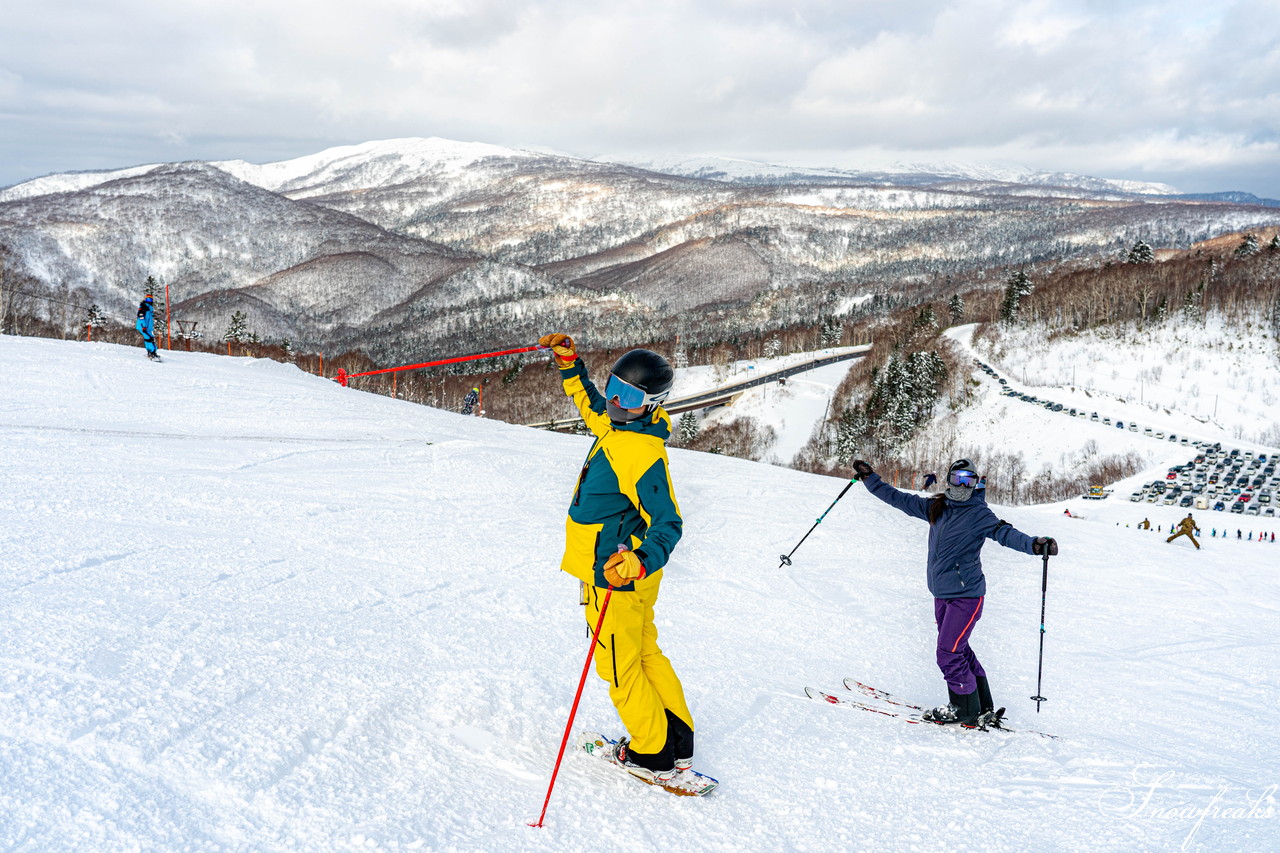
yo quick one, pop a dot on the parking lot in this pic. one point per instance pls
(1232, 481)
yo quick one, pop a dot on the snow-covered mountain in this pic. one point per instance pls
(249, 609)
(543, 235)
(737, 170)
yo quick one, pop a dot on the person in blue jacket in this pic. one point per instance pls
(146, 325)
(959, 524)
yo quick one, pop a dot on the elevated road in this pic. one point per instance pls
(727, 393)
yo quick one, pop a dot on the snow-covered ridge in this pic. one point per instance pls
(69, 182)
(378, 163)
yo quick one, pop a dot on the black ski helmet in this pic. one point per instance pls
(647, 371)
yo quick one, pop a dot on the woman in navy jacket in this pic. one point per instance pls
(959, 524)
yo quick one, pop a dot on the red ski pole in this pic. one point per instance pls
(573, 712)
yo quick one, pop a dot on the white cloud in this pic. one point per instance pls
(1187, 85)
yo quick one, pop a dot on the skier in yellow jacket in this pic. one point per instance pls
(623, 523)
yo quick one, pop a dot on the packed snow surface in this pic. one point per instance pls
(243, 608)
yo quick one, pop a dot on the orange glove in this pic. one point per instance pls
(562, 346)
(623, 568)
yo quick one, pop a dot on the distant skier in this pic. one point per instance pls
(469, 401)
(146, 326)
(930, 479)
(1146, 524)
(623, 524)
(1187, 528)
(959, 522)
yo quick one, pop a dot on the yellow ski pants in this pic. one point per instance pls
(642, 682)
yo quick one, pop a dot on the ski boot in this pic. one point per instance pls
(622, 755)
(963, 708)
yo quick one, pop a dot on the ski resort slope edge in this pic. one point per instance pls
(246, 609)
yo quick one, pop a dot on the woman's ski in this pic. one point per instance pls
(901, 709)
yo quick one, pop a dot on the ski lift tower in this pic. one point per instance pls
(187, 331)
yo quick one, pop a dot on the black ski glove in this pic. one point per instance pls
(861, 468)
(1044, 545)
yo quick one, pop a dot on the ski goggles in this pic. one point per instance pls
(628, 396)
(963, 477)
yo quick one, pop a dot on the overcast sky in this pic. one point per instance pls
(1186, 93)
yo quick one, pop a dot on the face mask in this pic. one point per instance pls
(621, 416)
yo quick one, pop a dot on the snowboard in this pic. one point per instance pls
(686, 783)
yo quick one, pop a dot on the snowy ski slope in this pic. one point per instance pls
(242, 608)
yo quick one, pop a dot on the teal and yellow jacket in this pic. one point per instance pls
(624, 494)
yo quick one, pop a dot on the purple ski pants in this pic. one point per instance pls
(956, 618)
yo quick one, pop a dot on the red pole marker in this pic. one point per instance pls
(449, 361)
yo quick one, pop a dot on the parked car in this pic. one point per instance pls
(1119, 424)
(1159, 434)
(1237, 507)
(1269, 512)
(1186, 501)
(1093, 416)
(1253, 510)
(1136, 496)
(1133, 427)
(1219, 506)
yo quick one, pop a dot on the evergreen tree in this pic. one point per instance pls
(287, 346)
(1274, 245)
(160, 310)
(1191, 302)
(772, 347)
(832, 332)
(687, 429)
(1141, 253)
(1248, 247)
(237, 330)
(1162, 310)
(926, 319)
(851, 427)
(94, 318)
(955, 307)
(1017, 287)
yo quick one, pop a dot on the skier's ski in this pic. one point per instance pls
(687, 783)
(893, 699)
(883, 695)
(906, 711)
(854, 703)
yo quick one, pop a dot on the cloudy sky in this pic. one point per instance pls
(1186, 93)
